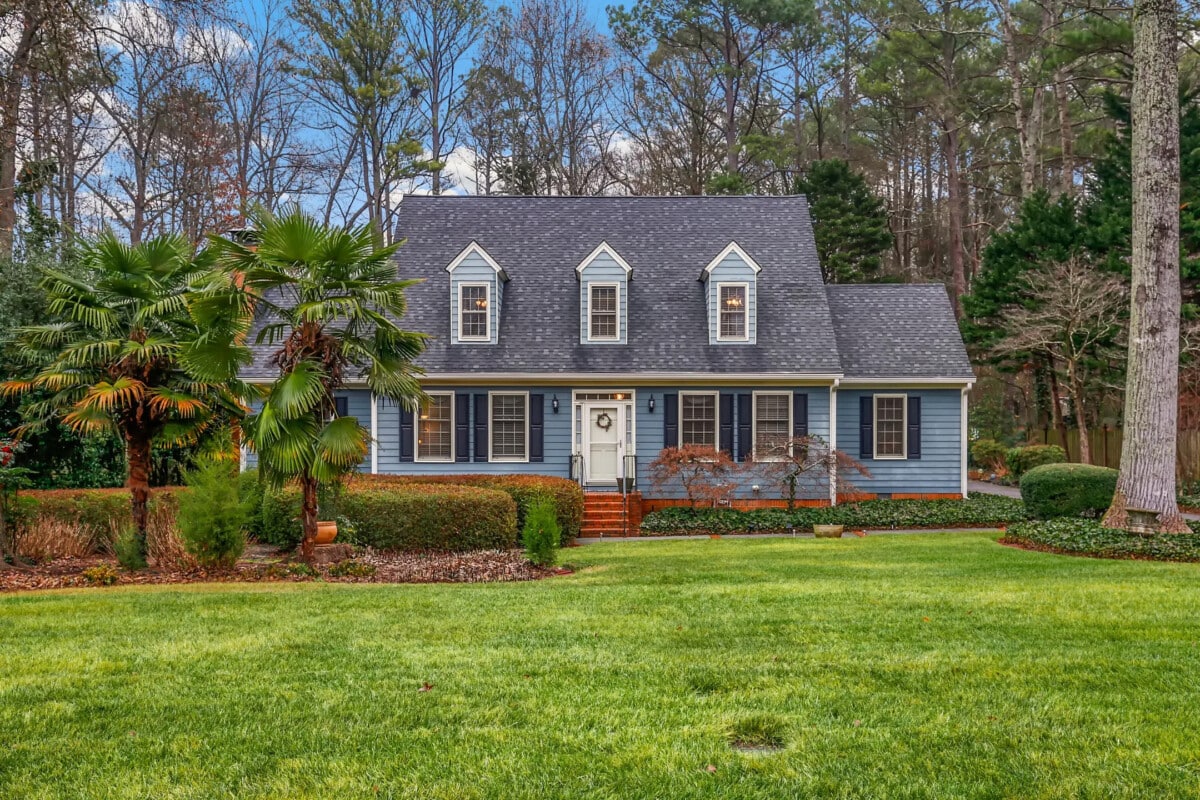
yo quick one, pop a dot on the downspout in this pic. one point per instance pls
(374, 434)
(962, 439)
(833, 387)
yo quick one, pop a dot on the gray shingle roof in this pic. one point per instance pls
(900, 331)
(891, 330)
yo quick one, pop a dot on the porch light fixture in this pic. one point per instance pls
(651, 404)
(554, 404)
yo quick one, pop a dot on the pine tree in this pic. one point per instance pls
(849, 222)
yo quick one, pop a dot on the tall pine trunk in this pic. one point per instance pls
(1147, 479)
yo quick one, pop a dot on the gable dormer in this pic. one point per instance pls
(604, 297)
(476, 294)
(731, 295)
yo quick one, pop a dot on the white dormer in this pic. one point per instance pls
(604, 297)
(476, 292)
(731, 294)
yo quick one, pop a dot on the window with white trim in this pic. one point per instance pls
(772, 424)
(435, 428)
(603, 301)
(891, 426)
(698, 419)
(473, 317)
(732, 311)
(509, 427)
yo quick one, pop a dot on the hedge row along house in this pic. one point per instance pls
(578, 337)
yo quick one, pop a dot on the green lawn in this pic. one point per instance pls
(939, 665)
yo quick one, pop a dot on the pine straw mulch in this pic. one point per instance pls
(482, 566)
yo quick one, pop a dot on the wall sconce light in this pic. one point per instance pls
(554, 403)
(651, 404)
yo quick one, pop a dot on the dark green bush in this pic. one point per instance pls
(1067, 490)
(405, 517)
(250, 494)
(129, 552)
(988, 454)
(541, 535)
(977, 510)
(211, 517)
(1022, 459)
(525, 490)
(1089, 537)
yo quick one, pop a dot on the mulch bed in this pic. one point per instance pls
(483, 566)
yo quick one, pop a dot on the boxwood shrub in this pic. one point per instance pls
(525, 490)
(405, 517)
(977, 510)
(1020, 460)
(1068, 490)
(1089, 537)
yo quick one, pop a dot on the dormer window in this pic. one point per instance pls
(732, 307)
(603, 311)
(473, 316)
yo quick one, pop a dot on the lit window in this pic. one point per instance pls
(602, 312)
(731, 298)
(772, 425)
(435, 429)
(890, 431)
(473, 311)
(698, 420)
(509, 427)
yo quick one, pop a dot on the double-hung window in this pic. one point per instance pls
(698, 419)
(732, 311)
(891, 426)
(509, 427)
(435, 428)
(772, 425)
(473, 312)
(603, 312)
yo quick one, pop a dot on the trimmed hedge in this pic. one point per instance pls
(525, 490)
(1068, 490)
(406, 517)
(977, 510)
(1022, 459)
(1089, 537)
(97, 510)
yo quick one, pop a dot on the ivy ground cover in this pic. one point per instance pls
(930, 665)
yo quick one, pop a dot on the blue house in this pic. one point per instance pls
(578, 337)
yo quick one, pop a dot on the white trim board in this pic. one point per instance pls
(605, 248)
(475, 247)
(733, 248)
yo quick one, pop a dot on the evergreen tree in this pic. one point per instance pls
(849, 222)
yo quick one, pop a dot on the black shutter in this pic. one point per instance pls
(481, 427)
(745, 414)
(341, 406)
(537, 420)
(866, 426)
(462, 427)
(726, 424)
(406, 434)
(800, 414)
(914, 427)
(670, 419)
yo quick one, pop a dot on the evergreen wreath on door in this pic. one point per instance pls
(604, 421)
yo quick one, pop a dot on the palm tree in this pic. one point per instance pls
(327, 299)
(114, 357)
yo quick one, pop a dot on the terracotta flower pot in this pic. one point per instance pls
(828, 531)
(326, 532)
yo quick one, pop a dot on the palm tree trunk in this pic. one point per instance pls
(308, 518)
(137, 453)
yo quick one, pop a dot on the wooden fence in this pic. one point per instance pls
(1106, 448)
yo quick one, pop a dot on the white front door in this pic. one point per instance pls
(602, 434)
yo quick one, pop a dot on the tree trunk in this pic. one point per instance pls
(137, 453)
(1056, 415)
(10, 109)
(1085, 444)
(958, 273)
(1147, 479)
(308, 518)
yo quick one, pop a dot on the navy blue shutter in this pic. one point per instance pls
(800, 414)
(726, 424)
(914, 427)
(481, 427)
(745, 416)
(670, 419)
(537, 419)
(406, 434)
(462, 427)
(341, 406)
(866, 426)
